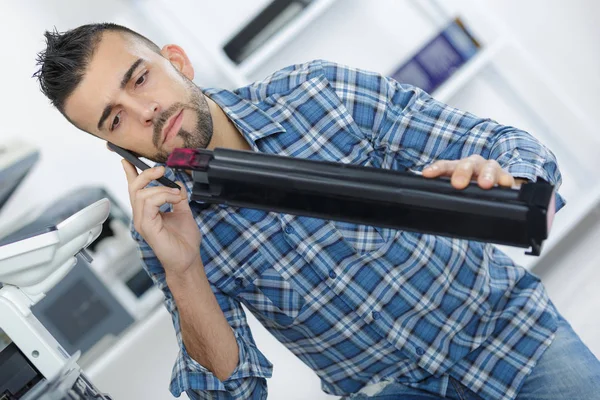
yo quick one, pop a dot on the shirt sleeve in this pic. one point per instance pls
(409, 129)
(248, 380)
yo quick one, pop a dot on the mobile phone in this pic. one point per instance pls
(133, 158)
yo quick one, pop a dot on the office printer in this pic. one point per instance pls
(33, 365)
(114, 288)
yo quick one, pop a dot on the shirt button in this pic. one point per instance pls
(239, 281)
(420, 351)
(289, 229)
(332, 275)
(376, 315)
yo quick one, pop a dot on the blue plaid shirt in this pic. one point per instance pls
(361, 304)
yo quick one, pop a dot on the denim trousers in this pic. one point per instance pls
(567, 370)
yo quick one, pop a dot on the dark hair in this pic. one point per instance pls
(63, 63)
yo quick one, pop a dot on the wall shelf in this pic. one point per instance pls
(284, 36)
(212, 66)
(467, 72)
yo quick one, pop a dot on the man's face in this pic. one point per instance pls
(137, 99)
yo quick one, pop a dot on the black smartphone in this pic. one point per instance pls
(133, 158)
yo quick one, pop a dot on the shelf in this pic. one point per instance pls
(283, 37)
(468, 71)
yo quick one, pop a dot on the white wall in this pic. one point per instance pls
(563, 38)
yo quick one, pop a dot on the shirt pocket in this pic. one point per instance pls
(265, 293)
(365, 239)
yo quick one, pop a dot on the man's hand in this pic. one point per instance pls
(174, 236)
(487, 172)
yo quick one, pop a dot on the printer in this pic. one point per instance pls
(33, 365)
(96, 301)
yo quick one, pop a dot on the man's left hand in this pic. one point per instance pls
(487, 172)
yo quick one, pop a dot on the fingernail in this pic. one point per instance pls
(173, 190)
(488, 177)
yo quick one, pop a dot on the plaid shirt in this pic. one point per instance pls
(361, 304)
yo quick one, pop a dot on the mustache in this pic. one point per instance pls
(162, 120)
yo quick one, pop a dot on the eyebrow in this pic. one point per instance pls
(126, 78)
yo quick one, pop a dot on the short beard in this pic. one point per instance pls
(200, 138)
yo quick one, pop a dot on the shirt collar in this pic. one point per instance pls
(252, 122)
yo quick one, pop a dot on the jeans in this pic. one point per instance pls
(567, 370)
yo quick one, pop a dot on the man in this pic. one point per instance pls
(372, 311)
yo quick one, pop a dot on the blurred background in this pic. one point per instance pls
(534, 65)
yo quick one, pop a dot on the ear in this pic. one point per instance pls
(177, 56)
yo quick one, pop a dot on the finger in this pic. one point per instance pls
(130, 171)
(145, 177)
(440, 168)
(151, 204)
(488, 174)
(182, 206)
(520, 181)
(130, 174)
(462, 173)
(152, 197)
(478, 163)
(505, 179)
(154, 190)
(151, 209)
(150, 192)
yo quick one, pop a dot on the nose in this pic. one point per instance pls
(149, 113)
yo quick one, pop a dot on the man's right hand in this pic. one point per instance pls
(175, 239)
(174, 236)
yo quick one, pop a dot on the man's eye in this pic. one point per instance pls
(116, 121)
(141, 79)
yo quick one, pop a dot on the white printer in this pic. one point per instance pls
(33, 365)
(96, 301)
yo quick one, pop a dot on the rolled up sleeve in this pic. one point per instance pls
(248, 380)
(525, 157)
